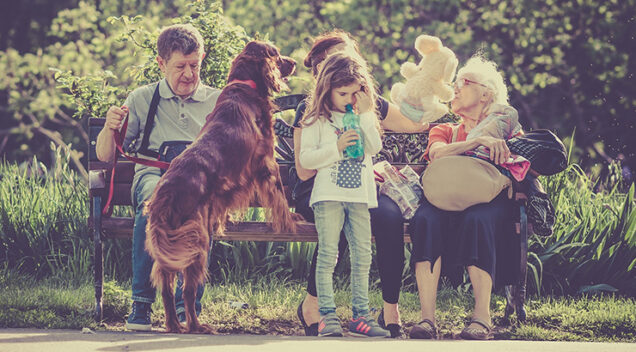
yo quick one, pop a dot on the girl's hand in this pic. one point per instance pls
(499, 151)
(346, 139)
(363, 102)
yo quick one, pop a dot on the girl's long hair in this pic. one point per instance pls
(339, 69)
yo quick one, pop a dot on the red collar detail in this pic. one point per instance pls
(248, 82)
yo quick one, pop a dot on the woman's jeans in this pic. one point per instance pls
(142, 290)
(354, 219)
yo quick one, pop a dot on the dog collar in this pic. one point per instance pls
(248, 82)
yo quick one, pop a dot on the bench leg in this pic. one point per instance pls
(516, 294)
(98, 259)
(523, 269)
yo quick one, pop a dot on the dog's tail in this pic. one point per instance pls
(175, 248)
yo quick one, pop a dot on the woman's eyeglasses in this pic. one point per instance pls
(459, 84)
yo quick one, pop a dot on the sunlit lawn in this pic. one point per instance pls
(272, 310)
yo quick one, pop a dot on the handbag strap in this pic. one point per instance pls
(150, 123)
(455, 130)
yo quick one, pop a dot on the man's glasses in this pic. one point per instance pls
(459, 84)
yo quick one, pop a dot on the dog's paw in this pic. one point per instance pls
(201, 329)
(296, 217)
(175, 328)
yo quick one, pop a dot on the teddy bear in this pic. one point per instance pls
(427, 83)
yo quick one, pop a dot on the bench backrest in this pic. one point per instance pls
(398, 148)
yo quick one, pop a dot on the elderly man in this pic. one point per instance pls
(181, 104)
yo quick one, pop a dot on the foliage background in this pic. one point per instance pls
(569, 64)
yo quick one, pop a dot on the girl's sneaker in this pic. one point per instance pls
(329, 326)
(365, 327)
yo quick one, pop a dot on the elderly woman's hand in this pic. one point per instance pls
(499, 151)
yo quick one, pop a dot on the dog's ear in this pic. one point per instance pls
(286, 65)
(272, 75)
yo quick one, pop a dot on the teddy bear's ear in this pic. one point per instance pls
(450, 67)
(426, 44)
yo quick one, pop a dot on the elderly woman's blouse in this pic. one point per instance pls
(444, 133)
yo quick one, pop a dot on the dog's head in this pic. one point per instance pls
(262, 63)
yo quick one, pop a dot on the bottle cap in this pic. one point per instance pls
(349, 108)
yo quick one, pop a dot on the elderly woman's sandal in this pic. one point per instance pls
(484, 332)
(425, 329)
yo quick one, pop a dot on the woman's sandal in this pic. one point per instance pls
(310, 330)
(477, 333)
(425, 329)
(394, 329)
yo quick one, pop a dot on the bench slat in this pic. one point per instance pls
(122, 227)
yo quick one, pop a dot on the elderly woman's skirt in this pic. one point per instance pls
(482, 235)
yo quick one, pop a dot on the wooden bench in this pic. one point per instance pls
(399, 149)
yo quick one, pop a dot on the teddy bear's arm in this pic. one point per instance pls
(408, 70)
(444, 92)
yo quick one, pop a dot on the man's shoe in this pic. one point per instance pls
(139, 318)
(365, 327)
(329, 326)
(182, 317)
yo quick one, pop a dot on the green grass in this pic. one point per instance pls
(53, 303)
(25, 302)
(581, 319)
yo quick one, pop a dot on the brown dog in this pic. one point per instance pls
(230, 161)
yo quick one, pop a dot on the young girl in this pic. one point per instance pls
(344, 188)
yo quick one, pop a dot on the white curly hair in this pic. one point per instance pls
(485, 72)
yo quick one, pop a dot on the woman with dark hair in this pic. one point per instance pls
(387, 222)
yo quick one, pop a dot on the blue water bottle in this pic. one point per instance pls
(351, 121)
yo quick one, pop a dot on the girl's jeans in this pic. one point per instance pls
(142, 290)
(330, 217)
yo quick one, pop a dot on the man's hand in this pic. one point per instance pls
(499, 151)
(114, 116)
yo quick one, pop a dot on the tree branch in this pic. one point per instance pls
(73, 123)
(4, 143)
(57, 139)
(13, 130)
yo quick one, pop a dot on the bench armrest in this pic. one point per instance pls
(96, 179)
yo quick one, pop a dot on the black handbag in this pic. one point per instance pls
(544, 150)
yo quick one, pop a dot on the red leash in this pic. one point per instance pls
(119, 140)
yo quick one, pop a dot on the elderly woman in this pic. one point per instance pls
(476, 238)
(387, 223)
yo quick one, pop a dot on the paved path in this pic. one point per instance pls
(72, 340)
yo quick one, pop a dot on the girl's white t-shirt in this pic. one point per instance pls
(339, 178)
